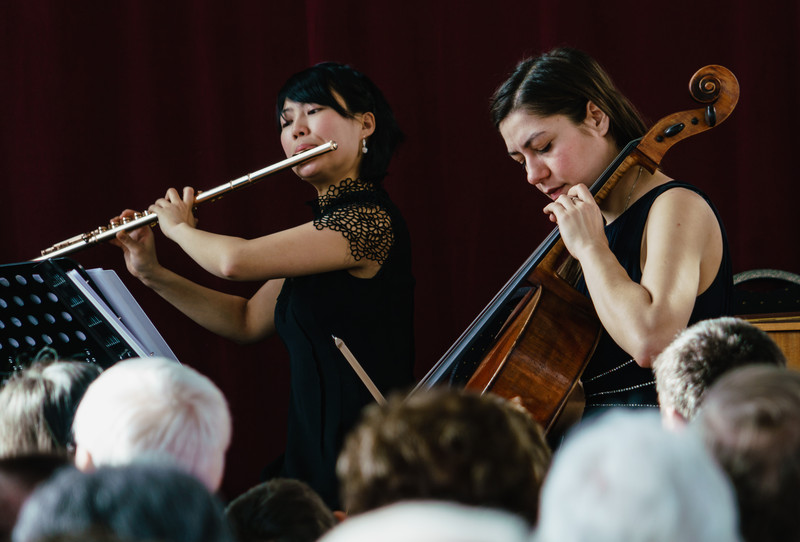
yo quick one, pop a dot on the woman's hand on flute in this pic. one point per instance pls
(138, 247)
(175, 211)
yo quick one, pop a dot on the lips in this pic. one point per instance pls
(302, 148)
(553, 193)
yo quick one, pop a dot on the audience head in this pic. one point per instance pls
(37, 406)
(281, 509)
(431, 521)
(623, 477)
(93, 535)
(444, 444)
(136, 502)
(699, 355)
(19, 476)
(154, 407)
(750, 420)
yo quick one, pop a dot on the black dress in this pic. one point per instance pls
(612, 378)
(374, 318)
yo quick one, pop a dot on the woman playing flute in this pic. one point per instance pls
(345, 273)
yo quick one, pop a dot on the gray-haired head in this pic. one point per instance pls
(623, 476)
(151, 406)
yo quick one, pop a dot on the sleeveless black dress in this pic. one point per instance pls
(612, 378)
(374, 318)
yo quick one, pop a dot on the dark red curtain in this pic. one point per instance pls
(104, 105)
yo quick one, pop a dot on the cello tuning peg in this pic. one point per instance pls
(711, 115)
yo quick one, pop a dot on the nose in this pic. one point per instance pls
(299, 127)
(535, 171)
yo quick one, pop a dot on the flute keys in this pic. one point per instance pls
(147, 218)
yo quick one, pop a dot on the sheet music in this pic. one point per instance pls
(125, 314)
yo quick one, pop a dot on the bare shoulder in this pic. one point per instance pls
(681, 223)
(681, 206)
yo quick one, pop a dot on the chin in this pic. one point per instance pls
(306, 173)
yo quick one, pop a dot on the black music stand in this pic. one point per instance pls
(41, 307)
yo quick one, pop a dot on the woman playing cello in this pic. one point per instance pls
(654, 254)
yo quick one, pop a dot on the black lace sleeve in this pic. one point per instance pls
(367, 226)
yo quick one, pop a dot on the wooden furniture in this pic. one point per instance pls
(784, 328)
(770, 300)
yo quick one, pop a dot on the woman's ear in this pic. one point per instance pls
(672, 419)
(596, 119)
(83, 459)
(367, 124)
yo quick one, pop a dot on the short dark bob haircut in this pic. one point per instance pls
(317, 85)
(561, 82)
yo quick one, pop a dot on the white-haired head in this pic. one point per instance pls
(431, 521)
(625, 477)
(154, 407)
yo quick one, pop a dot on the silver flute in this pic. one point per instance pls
(105, 233)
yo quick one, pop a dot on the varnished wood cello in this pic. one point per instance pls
(535, 338)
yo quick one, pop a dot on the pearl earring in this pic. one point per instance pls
(364, 149)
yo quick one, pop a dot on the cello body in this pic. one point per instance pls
(543, 349)
(533, 341)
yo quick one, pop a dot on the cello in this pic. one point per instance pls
(518, 347)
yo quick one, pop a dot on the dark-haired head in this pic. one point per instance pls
(135, 502)
(318, 84)
(561, 82)
(281, 509)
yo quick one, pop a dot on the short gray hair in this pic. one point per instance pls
(701, 353)
(155, 406)
(623, 476)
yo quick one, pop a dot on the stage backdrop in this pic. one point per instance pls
(104, 105)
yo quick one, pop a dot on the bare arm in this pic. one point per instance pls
(681, 236)
(303, 250)
(234, 317)
(237, 318)
(299, 251)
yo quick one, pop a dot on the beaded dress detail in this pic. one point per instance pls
(355, 209)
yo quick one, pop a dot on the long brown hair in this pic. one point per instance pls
(561, 82)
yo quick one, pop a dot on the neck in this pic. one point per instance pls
(333, 190)
(634, 183)
(323, 184)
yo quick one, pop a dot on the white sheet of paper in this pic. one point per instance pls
(124, 314)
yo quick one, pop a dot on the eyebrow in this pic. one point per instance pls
(527, 144)
(299, 106)
(292, 106)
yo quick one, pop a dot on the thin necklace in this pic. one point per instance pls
(628, 201)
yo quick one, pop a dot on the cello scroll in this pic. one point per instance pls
(713, 85)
